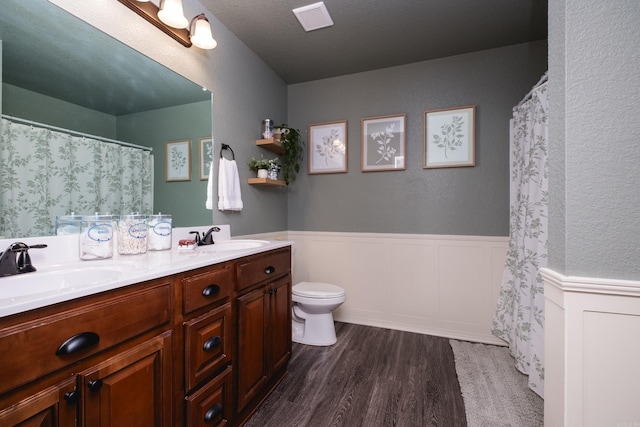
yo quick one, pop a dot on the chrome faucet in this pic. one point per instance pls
(16, 260)
(207, 238)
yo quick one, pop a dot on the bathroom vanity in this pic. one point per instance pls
(196, 339)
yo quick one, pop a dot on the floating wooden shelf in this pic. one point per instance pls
(266, 181)
(271, 144)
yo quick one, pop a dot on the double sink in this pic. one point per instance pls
(49, 282)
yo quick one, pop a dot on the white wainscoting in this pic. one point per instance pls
(439, 285)
(591, 351)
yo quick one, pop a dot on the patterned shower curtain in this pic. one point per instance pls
(519, 317)
(44, 173)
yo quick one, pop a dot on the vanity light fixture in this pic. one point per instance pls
(169, 17)
(171, 13)
(200, 31)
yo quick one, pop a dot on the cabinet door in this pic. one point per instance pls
(129, 389)
(53, 407)
(251, 364)
(279, 324)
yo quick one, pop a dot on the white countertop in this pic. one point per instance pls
(60, 277)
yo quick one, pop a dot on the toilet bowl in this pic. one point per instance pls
(313, 303)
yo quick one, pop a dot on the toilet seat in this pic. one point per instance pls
(317, 290)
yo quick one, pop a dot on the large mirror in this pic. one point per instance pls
(51, 58)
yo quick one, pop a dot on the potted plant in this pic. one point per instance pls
(292, 143)
(260, 166)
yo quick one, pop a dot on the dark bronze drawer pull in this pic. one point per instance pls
(77, 343)
(95, 385)
(213, 412)
(211, 343)
(270, 270)
(211, 290)
(72, 397)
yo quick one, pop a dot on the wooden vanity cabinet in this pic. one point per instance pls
(264, 326)
(206, 324)
(200, 348)
(89, 362)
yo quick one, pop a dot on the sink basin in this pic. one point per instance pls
(29, 284)
(234, 245)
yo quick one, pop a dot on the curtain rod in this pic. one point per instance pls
(528, 96)
(75, 133)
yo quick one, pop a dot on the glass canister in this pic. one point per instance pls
(96, 237)
(68, 224)
(267, 128)
(132, 234)
(159, 232)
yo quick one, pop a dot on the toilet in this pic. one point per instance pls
(313, 303)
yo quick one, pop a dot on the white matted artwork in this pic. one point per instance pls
(178, 161)
(383, 143)
(206, 157)
(328, 147)
(449, 137)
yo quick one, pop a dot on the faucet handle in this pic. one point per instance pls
(24, 263)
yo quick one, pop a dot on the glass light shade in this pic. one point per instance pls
(171, 13)
(201, 33)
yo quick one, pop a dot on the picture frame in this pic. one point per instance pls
(383, 143)
(178, 160)
(206, 157)
(449, 137)
(328, 147)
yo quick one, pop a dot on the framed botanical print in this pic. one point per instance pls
(449, 137)
(178, 161)
(328, 147)
(383, 143)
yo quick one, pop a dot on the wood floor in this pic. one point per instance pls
(370, 377)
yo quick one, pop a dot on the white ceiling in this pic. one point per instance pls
(373, 34)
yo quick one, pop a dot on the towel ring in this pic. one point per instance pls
(226, 147)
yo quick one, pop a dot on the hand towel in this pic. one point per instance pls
(229, 195)
(209, 203)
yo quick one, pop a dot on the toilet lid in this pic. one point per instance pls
(317, 290)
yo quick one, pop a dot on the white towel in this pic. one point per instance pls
(229, 196)
(209, 203)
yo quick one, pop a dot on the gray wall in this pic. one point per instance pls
(458, 201)
(595, 134)
(184, 200)
(246, 91)
(40, 108)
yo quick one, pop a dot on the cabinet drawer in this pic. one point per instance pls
(202, 289)
(45, 344)
(208, 342)
(211, 404)
(255, 269)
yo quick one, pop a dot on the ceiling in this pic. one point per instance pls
(47, 50)
(373, 34)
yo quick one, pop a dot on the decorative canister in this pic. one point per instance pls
(159, 232)
(132, 234)
(68, 224)
(267, 128)
(96, 237)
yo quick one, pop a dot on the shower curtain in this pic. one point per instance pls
(519, 317)
(44, 173)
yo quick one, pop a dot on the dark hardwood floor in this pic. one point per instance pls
(370, 377)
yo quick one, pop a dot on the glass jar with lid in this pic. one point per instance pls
(68, 224)
(159, 232)
(96, 237)
(132, 234)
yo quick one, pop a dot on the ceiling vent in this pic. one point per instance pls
(313, 16)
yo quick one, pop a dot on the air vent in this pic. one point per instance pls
(313, 16)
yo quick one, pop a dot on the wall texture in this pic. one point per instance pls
(455, 201)
(596, 88)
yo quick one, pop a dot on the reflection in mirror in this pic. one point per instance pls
(60, 71)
